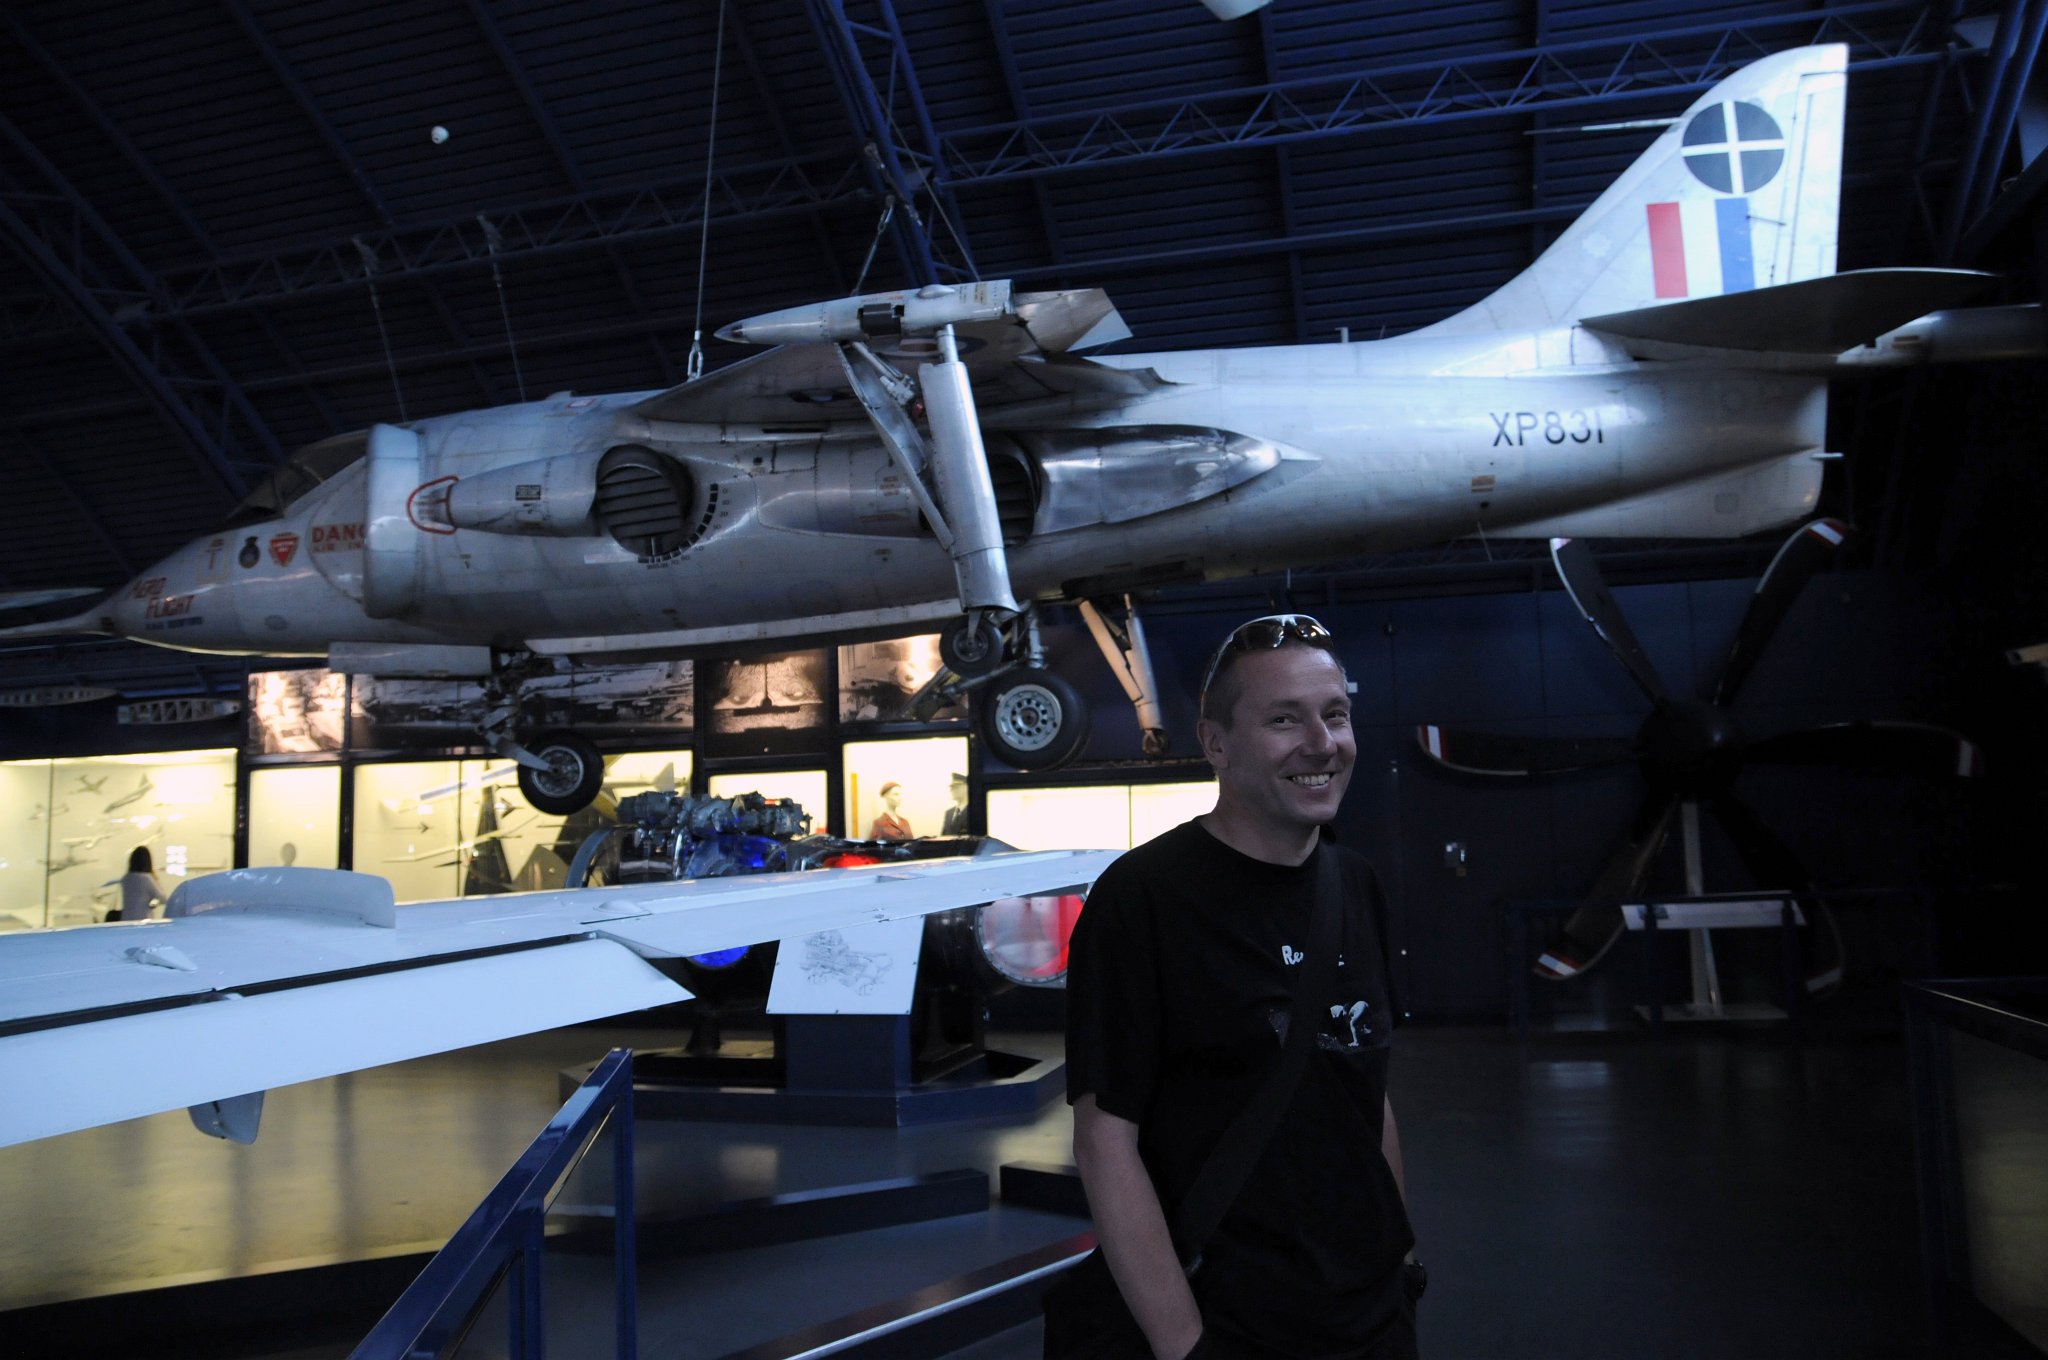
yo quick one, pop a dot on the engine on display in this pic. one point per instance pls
(967, 954)
(667, 836)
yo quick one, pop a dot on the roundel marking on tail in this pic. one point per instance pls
(1734, 147)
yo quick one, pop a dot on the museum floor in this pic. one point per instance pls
(1593, 1197)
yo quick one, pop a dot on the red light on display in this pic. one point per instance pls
(1026, 938)
(847, 859)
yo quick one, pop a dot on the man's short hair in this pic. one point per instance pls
(1269, 634)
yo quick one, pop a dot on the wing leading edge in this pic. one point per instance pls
(286, 975)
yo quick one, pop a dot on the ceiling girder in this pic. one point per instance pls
(1567, 75)
(107, 287)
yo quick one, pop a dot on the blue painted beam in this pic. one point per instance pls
(881, 160)
(109, 544)
(565, 160)
(1600, 73)
(145, 167)
(139, 368)
(817, 181)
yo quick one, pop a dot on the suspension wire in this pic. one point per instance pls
(492, 241)
(888, 211)
(695, 369)
(377, 307)
(938, 205)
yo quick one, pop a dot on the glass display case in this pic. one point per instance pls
(899, 789)
(295, 816)
(460, 828)
(1094, 817)
(77, 821)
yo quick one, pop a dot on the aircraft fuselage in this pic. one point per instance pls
(805, 528)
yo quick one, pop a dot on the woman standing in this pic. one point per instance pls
(140, 892)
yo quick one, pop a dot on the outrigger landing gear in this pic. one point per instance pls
(1122, 643)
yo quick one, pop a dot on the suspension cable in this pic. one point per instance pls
(492, 241)
(377, 306)
(695, 369)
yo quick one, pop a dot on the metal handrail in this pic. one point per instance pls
(505, 1234)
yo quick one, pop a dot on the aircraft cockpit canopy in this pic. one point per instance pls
(308, 468)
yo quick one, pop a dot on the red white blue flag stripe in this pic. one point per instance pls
(1701, 248)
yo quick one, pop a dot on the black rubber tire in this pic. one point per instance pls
(971, 654)
(572, 782)
(1031, 719)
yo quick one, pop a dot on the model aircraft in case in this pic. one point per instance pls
(941, 457)
(266, 977)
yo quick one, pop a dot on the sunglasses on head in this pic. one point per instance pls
(1264, 634)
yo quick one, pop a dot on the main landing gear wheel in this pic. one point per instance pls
(972, 648)
(574, 774)
(1032, 719)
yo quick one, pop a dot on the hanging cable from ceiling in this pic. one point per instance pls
(881, 225)
(695, 368)
(491, 242)
(377, 306)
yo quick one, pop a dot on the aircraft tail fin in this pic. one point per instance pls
(1742, 192)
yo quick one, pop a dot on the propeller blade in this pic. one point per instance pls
(1591, 931)
(1588, 589)
(1810, 548)
(1496, 754)
(1773, 865)
(1923, 749)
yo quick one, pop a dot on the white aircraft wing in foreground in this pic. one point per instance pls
(278, 976)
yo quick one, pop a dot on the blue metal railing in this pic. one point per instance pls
(504, 1238)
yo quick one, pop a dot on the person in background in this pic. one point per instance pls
(956, 815)
(141, 894)
(891, 825)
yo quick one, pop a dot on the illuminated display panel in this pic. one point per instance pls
(1099, 817)
(24, 842)
(76, 822)
(444, 828)
(921, 767)
(807, 787)
(295, 816)
(408, 823)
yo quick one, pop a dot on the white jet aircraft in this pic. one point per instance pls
(265, 977)
(941, 457)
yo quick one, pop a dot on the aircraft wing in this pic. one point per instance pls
(1008, 361)
(279, 976)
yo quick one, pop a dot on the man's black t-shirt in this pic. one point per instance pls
(1181, 978)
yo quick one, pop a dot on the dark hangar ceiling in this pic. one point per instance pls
(230, 229)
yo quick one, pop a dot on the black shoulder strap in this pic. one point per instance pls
(1223, 1175)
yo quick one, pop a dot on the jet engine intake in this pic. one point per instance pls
(648, 502)
(551, 497)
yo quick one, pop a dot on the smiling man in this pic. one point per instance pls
(1185, 965)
